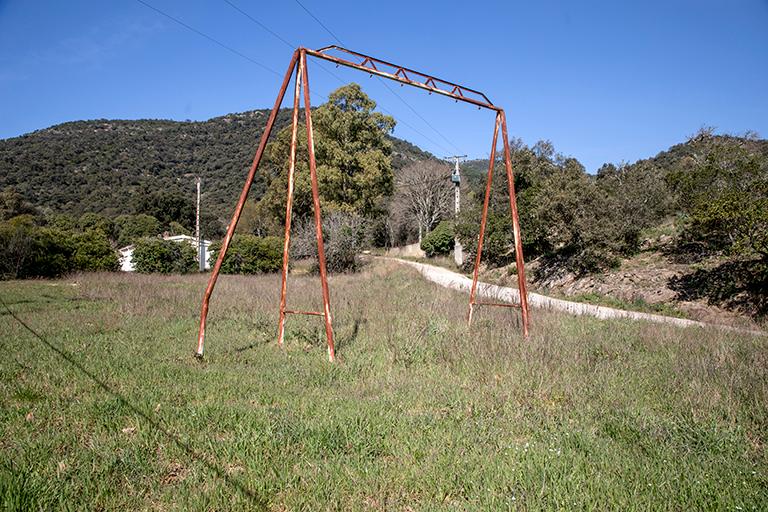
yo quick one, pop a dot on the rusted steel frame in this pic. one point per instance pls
(520, 263)
(316, 208)
(401, 69)
(296, 312)
(402, 80)
(289, 205)
(240, 203)
(499, 304)
(483, 219)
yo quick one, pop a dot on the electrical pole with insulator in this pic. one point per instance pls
(198, 240)
(458, 253)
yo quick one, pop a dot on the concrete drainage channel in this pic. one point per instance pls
(456, 281)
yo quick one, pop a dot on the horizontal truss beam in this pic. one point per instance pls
(405, 76)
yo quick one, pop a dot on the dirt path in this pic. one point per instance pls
(456, 281)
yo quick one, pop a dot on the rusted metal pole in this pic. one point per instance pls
(316, 205)
(240, 203)
(289, 204)
(520, 263)
(483, 220)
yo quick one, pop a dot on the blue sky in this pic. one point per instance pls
(605, 81)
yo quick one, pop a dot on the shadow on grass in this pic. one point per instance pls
(259, 501)
(735, 285)
(33, 305)
(346, 339)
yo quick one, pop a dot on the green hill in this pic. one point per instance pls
(105, 166)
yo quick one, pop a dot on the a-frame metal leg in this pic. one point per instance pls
(519, 261)
(483, 220)
(289, 204)
(520, 264)
(240, 203)
(318, 217)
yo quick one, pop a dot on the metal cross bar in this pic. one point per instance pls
(499, 304)
(401, 74)
(296, 312)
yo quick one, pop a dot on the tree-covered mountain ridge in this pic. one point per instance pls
(476, 170)
(105, 165)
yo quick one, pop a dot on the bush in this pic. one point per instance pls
(499, 242)
(130, 228)
(724, 198)
(94, 253)
(90, 221)
(439, 240)
(163, 256)
(27, 250)
(250, 254)
(344, 235)
(51, 255)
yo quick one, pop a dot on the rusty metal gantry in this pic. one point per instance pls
(404, 76)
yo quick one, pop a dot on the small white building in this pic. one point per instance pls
(126, 253)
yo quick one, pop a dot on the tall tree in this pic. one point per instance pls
(353, 158)
(723, 190)
(423, 192)
(168, 207)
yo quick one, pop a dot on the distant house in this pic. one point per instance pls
(126, 253)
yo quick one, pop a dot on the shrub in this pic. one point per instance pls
(498, 244)
(439, 240)
(250, 254)
(94, 253)
(163, 256)
(177, 229)
(724, 198)
(130, 228)
(62, 222)
(90, 221)
(51, 255)
(27, 250)
(344, 235)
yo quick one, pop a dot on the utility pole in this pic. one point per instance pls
(198, 240)
(458, 253)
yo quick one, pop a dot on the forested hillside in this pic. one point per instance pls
(107, 166)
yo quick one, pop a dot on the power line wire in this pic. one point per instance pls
(219, 43)
(331, 73)
(206, 36)
(320, 23)
(260, 24)
(389, 88)
(338, 40)
(265, 67)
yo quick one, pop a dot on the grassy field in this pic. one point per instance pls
(105, 408)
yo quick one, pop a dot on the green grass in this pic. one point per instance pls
(661, 308)
(108, 410)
